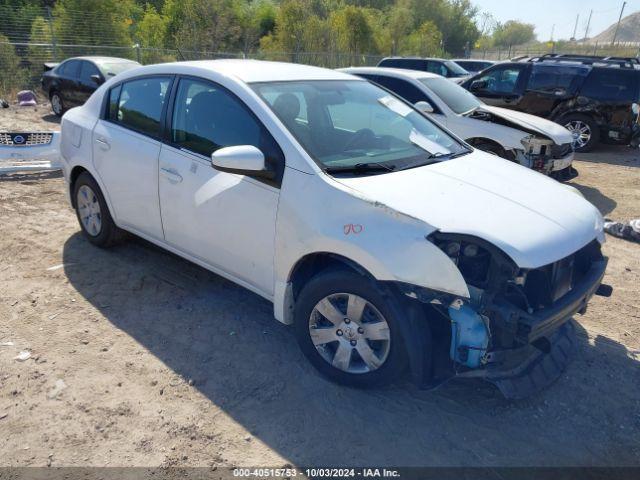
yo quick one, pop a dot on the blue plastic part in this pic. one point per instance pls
(469, 336)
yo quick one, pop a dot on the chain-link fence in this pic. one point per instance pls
(605, 50)
(37, 36)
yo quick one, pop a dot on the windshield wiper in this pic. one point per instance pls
(435, 158)
(361, 168)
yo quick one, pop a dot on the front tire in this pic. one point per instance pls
(348, 328)
(92, 212)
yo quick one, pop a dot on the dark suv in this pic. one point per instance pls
(592, 98)
(72, 82)
(440, 66)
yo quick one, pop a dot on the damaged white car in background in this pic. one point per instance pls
(531, 141)
(29, 151)
(388, 244)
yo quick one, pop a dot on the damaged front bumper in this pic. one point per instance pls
(515, 330)
(545, 157)
(545, 340)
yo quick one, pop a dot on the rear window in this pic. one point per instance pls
(609, 84)
(545, 78)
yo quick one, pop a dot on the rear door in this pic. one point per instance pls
(550, 85)
(502, 85)
(126, 146)
(68, 83)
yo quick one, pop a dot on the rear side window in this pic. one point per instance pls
(611, 84)
(69, 69)
(437, 68)
(207, 117)
(402, 88)
(138, 104)
(545, 78)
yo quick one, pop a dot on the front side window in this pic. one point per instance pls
(457, 98)
(86, 71)
(110, 69)
(139, 105)
(206, 117)
(437, 67)
(354, 125)
(502, 80)
(455, 70)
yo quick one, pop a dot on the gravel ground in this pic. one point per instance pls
(139, 358)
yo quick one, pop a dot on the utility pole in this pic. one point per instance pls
(575, 28)
(552, 30)
(615, 33)
(586, 32)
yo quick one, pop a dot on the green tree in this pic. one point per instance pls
(352, 30)
(11, 75)
(94, 22)
(151, 35)
(426, 41)
(289, 34)
(513, 33)
(256, 19)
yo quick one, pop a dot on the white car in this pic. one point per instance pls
(383, 239)
(531, 141)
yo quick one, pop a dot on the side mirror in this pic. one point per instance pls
(241, 159)
(97, 79)
(635, 108)
(424, 107)
(478, 85)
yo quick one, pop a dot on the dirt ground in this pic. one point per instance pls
(139, 358)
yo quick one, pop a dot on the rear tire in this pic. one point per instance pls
(586, 133)
(57, 104)
(93, 214)
(365, 350)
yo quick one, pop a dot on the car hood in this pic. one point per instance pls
(532, 218)
(549, 129)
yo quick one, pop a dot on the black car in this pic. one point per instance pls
(71, 83)
(592, 97)
(440, 66)
(473, 66)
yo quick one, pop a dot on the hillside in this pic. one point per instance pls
(629, 31)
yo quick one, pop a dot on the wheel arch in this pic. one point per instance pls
(475, 141)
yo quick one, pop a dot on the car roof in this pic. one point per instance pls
(248, 71)
(472, 60)
(416, 58)
(98, 59)
(397, 72)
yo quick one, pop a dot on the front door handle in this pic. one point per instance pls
(104, 145)
(172, 175)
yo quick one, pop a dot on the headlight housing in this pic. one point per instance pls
(537, 145)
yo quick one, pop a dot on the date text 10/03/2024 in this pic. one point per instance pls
(316, 472)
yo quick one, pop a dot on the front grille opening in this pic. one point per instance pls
(28, 139)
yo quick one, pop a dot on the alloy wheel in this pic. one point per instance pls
(56, 104)
(350, 333)
(581, 132)
(89, 210)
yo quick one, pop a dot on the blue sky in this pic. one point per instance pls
(544, 13)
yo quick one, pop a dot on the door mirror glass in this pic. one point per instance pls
(424, 107)
(241, 159)
(97, 79)
(478, 85)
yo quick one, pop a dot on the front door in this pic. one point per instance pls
(126, 146)
(225, 220)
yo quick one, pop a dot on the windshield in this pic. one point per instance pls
(113, 69)
(349, 124)
(457, 98)
(455, 68)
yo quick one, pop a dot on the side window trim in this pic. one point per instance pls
(168, 119)
(105, 105)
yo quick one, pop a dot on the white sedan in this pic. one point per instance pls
(531, 141)
(385, 241)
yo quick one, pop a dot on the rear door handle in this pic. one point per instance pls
(172, 175)
(104, 145)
